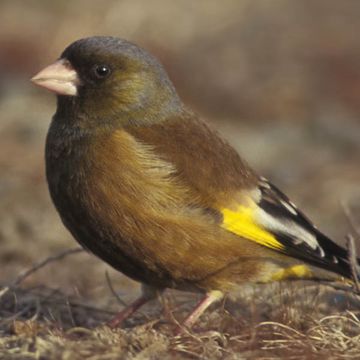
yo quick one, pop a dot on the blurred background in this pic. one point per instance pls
(279, 79)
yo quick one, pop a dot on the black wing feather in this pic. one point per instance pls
(327, 254)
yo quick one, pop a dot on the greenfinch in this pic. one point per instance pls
(140, 181)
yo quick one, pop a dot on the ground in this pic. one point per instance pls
(280, 80)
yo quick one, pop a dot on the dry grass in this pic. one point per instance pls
(43, 326)
(277, 321)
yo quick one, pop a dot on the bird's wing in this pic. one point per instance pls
(210, 168)
(269, 218)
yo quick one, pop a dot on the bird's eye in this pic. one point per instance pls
(101, 71)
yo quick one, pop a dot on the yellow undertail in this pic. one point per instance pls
(293, 272)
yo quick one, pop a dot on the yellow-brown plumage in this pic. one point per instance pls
(143, 183)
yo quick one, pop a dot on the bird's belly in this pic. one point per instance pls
(152, 233)
(110, 246)
(94, 225)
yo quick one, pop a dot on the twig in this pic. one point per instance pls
(341, 287)
(55, 300)
(90, 308)
(38, 266)
(68, 306)
(41, 264)
(112, 290)
(16, 316)
(4, 290)
(350, 243)
(352, 222)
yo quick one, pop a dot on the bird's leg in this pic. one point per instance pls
(147, 293)
(127, 312)
(202, 305)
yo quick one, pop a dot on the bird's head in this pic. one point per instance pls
(106, 79)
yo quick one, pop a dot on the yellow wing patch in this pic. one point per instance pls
(241, 222)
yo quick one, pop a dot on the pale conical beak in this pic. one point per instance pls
(59, 77)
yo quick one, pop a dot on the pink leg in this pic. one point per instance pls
(203, 304)
(148, 294)
(127, 312)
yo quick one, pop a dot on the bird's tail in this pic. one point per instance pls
(338, 259)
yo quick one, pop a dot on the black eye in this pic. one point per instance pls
(101, 71)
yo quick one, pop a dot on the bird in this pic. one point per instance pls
(150, 188)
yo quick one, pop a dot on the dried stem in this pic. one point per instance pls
(355, 226)
(59, 256)
(353, 261)
(112, 290)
